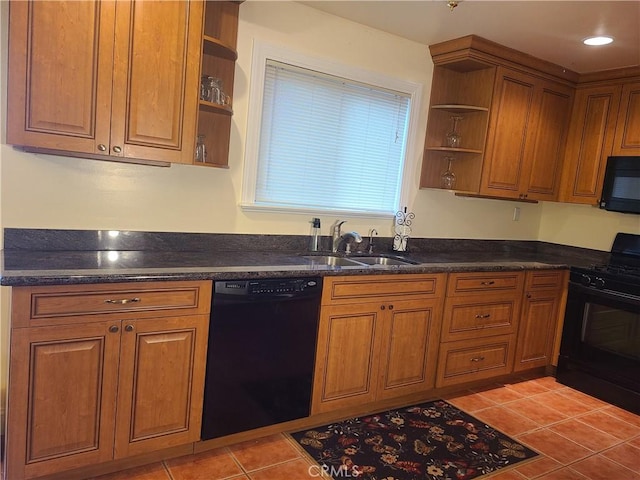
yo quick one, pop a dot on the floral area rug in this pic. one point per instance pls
(434, 441)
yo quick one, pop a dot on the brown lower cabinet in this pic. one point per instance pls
(104, 372)
(378, 338)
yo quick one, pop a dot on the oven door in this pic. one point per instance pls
(600, 340)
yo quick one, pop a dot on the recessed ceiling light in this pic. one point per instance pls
(597, 40)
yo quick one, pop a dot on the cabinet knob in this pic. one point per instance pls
(113, 329)
(382, 307)
(390, 307)
(117, 149)
(528, 295)
(129, 328)
(102, 147)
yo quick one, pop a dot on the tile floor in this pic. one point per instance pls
(578, 437)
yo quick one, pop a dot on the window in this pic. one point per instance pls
(326, 142)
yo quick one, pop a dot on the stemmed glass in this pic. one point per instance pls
(454, 139)
(448, 178)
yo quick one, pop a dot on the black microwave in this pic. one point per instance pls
(621, 187)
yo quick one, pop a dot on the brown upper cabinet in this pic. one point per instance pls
(107, 80)
(605, 121)
(514, 113)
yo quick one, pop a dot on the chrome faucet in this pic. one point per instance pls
(349, 238)
(336, 234)
(372, 232)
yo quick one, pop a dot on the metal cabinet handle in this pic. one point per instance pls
(477, 359)
(102, 147)
(113, 329)
(122, 301)
(490, 282)
(486, 315)
(117, 149)
(129, 328)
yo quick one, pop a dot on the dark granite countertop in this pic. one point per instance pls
(54, 257)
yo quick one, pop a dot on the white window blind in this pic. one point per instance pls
(329, 143)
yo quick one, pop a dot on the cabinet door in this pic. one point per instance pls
(512, 107)
(62, 396)
(162, 364)
(537, 329)
(589, 143)
(60, 73)
(546, 139)
(155, 78)
(410, 335)
(346, 360)
(627, 140)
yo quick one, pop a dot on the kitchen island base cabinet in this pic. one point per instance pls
(88, 388)
(378, 339)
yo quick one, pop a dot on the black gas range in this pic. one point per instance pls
(600, 350)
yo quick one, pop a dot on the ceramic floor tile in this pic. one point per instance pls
(155, 471)
(508, 475)
(527, 388)
(609, 424)
(562, 404)
(549, 382)
(213, 465)
(584, 435)
(582, 398)
(299, 469)
(500, 394)
(598, 467)
(564, 474)
(635, 442)
(555, 446)
(626, 455)
(539, 413)
(506, 421)
(623, 415)
(264, 452)
(470, 401)
(539, 466)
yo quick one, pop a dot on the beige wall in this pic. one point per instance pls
(39, 191)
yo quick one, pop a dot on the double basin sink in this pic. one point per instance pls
(358, 260)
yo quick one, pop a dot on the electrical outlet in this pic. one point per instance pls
(516, 214)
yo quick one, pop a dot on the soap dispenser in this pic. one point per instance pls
(315, 234)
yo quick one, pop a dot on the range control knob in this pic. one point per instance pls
(598, 282)
(585, 280)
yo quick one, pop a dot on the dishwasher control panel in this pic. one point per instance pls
(267, 286)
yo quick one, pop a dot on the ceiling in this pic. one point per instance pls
(551, 30)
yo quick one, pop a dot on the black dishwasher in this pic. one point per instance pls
(262, 342)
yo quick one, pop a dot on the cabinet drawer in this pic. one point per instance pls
(544, 279)
(467, 318)
(469, 360)
(341, 290)
(481, 283)
(33, 306)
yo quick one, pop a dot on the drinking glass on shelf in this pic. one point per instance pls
(448, 178)
(201, 150)
(454, 139)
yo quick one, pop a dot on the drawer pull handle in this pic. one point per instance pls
(122, 301)
(486, 315)
(490, 282)
(477, 359)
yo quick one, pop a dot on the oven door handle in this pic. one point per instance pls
(623, 297)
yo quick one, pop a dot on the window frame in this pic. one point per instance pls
(263, 51)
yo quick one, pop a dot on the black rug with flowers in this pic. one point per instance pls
(434, 441)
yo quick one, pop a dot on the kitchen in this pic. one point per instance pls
(72, 193)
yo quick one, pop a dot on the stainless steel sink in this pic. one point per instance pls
(382, 260)
(356, 261)
(332, 261)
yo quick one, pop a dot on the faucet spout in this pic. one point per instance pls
(372, 232)
(336, 234)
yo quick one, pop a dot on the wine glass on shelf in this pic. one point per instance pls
(448, 178)
(454, 139)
